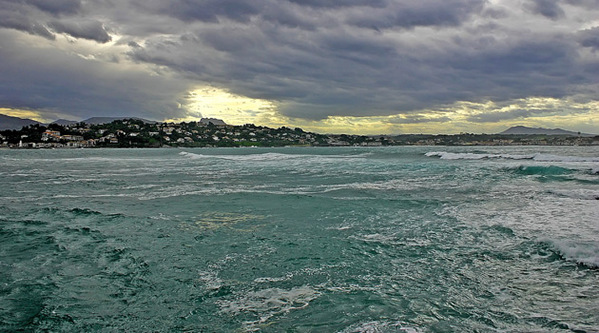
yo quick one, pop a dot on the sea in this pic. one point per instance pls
(300, 239)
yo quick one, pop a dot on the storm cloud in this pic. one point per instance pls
(315, 59)
(54, 82)
(92, 30)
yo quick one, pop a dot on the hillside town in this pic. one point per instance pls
(209, 132)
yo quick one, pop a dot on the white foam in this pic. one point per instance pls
(267, 303)
(476, 156)
(287, 277)
(536, 157)
(557, 158)
(380, 327)
(585, 253)
(578, 193)
(340, 228)
(210, 280)
(272, 156)
(191, 155)
(247, 157)
(375, 238)
(214, 188)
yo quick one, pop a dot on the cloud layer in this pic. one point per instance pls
(313, 59)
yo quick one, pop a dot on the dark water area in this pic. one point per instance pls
(397, 239)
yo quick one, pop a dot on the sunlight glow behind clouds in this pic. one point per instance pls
(357, 66)
(470, 117)
(211, 102)
(27, 114)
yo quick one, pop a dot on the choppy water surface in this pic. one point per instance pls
(398, 239)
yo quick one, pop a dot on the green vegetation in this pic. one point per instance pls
(129, 133)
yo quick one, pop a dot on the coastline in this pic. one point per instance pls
(132, 133)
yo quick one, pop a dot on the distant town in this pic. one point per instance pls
(209, 132)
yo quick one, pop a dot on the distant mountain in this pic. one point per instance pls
(64, 122)
(15, 123)
(107, 120)
(213, 121)
(523, 130)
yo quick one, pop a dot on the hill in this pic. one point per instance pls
(107, 120)
(212, 121)
(14, 123)
(523, 130)
(64, 122)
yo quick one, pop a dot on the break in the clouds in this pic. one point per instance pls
(313, 62)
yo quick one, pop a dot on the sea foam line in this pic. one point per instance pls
(535, 157)
(270, 156)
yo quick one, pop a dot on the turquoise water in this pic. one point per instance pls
(394, 239)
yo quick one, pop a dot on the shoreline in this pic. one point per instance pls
(594, 144)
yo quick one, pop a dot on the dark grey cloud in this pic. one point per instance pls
(133, 44)
(539, 67)
(418, 119)
(15, 15)
(404, 14)
(49, 79)
(548, 8)
(56, 7)
(590, 4)
(523, 113)
(589, 38)
(92, 30)
(505, 115)
(17, 21)
(287, 15)
(46, 18)
(340, 3)
(315, 58)
(203, 10)
(359, 72)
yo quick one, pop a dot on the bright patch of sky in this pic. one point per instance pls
(359, 66)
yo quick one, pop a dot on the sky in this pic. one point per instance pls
(343, 66)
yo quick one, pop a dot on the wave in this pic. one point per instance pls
(268, 303)
(535, 157)
(380, 326)
(249, 157)
(553, 172)
(550, 170)
(475, 156)
(270, 156)
(357, 190)
(581, 252)
(579, 194)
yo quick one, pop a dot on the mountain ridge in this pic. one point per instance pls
(106, 120)
(16, 123)
(9, 122)
(524, 130)
(64, 122)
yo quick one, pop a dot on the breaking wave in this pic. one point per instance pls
(550, 170)
(269, 156)
(380, 327)
(535, 157)
(582, 253)
(268, 303)
(249, 157)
